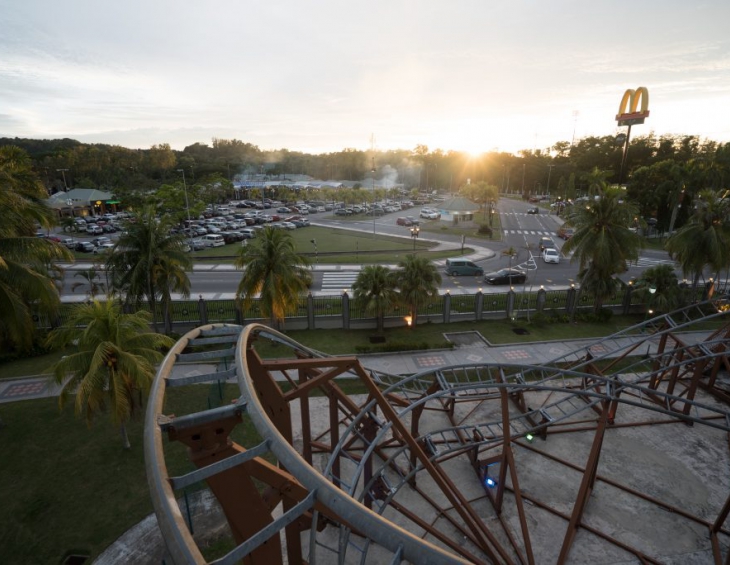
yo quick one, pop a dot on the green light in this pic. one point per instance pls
(529, 437)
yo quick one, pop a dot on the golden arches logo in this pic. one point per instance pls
(629, 109)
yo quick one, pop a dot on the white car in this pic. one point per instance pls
(550, 255)
(104, 248)
(287, 225)
(430, 214)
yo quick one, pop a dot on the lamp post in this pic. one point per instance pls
(316, 254)
(550, 170)
(63, 173)
(414, 236)
(187, 205)
(372, 171)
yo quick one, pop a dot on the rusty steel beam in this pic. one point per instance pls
(586, 488)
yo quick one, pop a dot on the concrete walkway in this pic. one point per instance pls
(406, 363)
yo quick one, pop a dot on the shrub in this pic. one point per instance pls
(484, 229)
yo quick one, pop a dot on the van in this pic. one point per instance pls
(459, 267)
(213, 240)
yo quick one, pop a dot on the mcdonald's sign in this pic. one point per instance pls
(629, 111)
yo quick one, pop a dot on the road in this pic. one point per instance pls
(521, 231)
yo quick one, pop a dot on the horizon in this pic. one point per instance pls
(471, 77)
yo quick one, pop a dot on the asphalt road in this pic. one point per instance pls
(521, 231)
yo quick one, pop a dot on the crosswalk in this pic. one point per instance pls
(338, 281)
(529, 232)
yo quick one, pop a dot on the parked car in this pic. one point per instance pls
(430, 214)
(104, 248)
(94, 229)
(288, 225)
(506, 276)
(69, 242)
(546, 242)
(85, 247)
(403, 222)
(565, 233)
(550, 255)
(343, 212)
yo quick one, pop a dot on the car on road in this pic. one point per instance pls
(343, 212)
(546, 242)
(533, 210)
(457, 267)
(414, 220)
(550, 255)
(506, 276)
(403, 222)
(565, 233)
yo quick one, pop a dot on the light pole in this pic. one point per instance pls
(414, 236)
(550, 170)
(316, 255)
(63, 173)
(187, 205)
(372, 171)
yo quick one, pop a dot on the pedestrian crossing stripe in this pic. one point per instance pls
(334, 280)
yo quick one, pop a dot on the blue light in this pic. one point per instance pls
(490, 482)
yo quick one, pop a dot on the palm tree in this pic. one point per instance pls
(603, 243)
(417, 281)
(374, 290)
(274, 271)
(148, 263)
(659, 289)
(25, 260)
(91, 280)
(705, 239)
(114, 364)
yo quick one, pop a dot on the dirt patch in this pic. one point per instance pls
(466, 339)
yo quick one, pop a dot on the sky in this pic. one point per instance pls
(322, 76)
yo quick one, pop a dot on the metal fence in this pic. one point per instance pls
(341, 309)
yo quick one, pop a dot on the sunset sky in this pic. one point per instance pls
(321, 76)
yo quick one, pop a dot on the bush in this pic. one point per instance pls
(395, 346)
(484, 229)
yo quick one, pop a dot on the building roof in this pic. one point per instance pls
(458, 204)
(79, 197)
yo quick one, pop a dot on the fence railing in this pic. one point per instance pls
(342, 311)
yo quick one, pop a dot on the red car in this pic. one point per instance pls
(403, 222)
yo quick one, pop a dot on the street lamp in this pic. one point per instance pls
(187, 205)
(550, 170)
(63, 173)
(372, 171)
(316, 254)
(414, 236)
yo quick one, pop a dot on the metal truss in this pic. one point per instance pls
(438, 467)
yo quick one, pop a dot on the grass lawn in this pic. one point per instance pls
(64, 486)
(39, 365)
(497, 332)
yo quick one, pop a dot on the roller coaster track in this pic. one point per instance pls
(428, 468)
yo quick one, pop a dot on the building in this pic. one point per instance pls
(83, 202)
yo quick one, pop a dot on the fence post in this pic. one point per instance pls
(202, 310)
(447, 307)
(310, 312)
(709, 290)
(626, 305)
(541, 299)
(570, 304)
(479, 305)
(511, 303)
(237, 308)
(345, 311)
